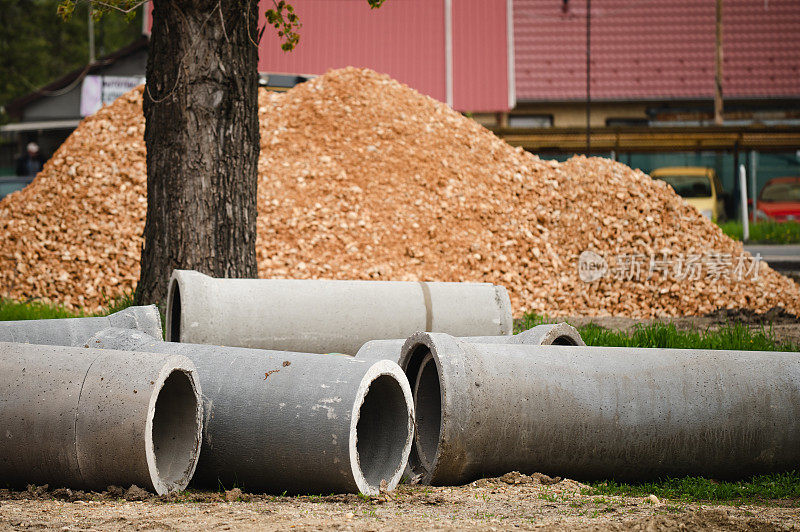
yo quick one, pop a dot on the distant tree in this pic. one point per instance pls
(201, 133)
(37, 46)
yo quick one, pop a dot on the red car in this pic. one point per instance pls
(780, 199)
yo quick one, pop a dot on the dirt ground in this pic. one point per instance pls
(513, 501)
(784, 326)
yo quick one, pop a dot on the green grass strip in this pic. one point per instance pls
(765, 232)
(731, 336)
(38, 310)
(32, 310)
(759, 488)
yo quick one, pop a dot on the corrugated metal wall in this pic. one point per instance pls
(404, 38)
(480, 59)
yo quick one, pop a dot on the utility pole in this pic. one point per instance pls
(589, 77)
(91, 34)
(718, 70)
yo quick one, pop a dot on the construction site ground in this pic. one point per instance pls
(510, 502)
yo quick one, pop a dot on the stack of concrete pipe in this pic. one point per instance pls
(431, 384)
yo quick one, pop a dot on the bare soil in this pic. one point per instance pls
(513, 501)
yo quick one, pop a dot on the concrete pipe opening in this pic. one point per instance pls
(564, 340)
(421, 365)
(383, 431)
(174, 333)
(427, 412)
(176, 432)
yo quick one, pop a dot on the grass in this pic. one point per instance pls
(38, 310)
(31, 310)
(732, 336)
(757, 489)
(765, 232)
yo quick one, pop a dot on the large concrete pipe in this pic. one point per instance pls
(90, 418)
(76, 331)
(546, 334)
(319, 316)
(303, 423)
(599, 412)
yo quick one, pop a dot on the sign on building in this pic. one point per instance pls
(97, 91)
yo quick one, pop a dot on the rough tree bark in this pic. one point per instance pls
(202, 142)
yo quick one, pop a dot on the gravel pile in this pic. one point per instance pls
(361, 177)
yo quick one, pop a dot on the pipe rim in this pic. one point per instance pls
(504, 304)
(434, 344)
(557, 334)
(383, 368)
(173, 482)
(421, 448)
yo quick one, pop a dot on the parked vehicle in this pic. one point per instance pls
(12, 184)
(698, 185)
(780, 199)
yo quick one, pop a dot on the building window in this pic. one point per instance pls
(530, 121)
(627, 122)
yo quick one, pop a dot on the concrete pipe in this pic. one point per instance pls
(547, 334)
(599, 412)
(303, 423)
(76, 331)
(90, 418)
(319, 316)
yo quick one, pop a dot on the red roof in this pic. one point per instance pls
(647, 49)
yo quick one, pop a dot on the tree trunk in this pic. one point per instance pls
(202, 138)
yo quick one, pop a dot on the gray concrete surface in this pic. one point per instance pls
(319, 316)
(599, 412)
(546, 334)
(76, 331)
(297, 422)
(781, 257)
(90, 418)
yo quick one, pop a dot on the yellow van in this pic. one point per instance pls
(698, 185)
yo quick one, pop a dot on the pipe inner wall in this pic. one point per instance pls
(382, 433)
(175, 427)
(428, 410)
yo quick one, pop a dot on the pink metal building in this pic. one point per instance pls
(457, 51)
(489, 55)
